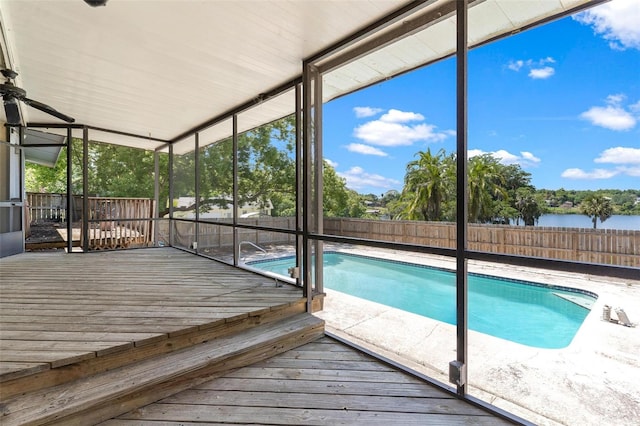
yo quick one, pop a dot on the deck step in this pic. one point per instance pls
(23, 373)
(108, 394)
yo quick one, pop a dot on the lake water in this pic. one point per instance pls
(583, 221)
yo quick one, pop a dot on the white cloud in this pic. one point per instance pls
(475, 152)
(529, 156)
(594, 174)
(612, 117)
(515, 65)
(505, 157)
(635, 107)
(617, 22)
(541, 73)
(357, 179)
(331, 163)
(537, 69)
(366, 149)
(366, 111)
(630, 171)
(525, 159)
(627, 159)
(397, 116)
(616, 99)
(391, 130)
(619, 155)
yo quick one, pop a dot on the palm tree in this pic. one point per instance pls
(486, 185)
(597, 207)
(429, 181)
(529, 208)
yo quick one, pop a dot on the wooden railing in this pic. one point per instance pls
(51, 207)
(120, 222)
(603, 246)
(46, 207)
(113, 222)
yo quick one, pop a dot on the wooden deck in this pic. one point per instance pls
(323, 382)
(61, 309)
(163, 337)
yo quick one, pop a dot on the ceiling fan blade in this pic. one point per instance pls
(46, 108)
(11, 110)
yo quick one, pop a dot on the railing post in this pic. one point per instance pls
(156, 196)
(234, 237)
(85, 189)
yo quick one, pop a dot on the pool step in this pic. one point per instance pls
(580, 300)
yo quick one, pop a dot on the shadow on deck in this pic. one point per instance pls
(85, 338)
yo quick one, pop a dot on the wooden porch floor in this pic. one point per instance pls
(59, 309)
(67, 319)
(323, 382)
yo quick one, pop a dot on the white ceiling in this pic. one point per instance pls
(161, 67)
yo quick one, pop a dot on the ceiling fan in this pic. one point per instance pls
(11, 94)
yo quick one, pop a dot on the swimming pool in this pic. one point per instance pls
(528, 313)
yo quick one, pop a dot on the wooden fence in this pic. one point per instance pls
(120, 222)
(604, 246)
(128, 222)
(213, 236)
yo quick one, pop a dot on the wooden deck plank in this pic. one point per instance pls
(192, 300)
(338, 387)
(135, 297)
(121, 422)
(115, 338)
(262, 398)
(300, 416)
(331, 384)
(98, 327)
(325, 355)
(328, 364)
(318, 346)
(322, 374)
(143, 312)
(99, 347)
(56, 358)
(13, 370)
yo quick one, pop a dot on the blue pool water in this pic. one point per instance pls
(527, 313)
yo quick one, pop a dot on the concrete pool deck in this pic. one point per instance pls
(593, 381)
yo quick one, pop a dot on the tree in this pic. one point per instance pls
(486, 188)
(529, 207)
(118, 171)
(597, 207)
(39, 178)
(429, 182)
(266, 164)
(336, 198)
(266, 170)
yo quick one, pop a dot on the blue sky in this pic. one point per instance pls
(561, 100)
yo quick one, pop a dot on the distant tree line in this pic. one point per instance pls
(623, 201)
